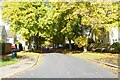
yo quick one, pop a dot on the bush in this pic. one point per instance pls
(115, 47)
(90, 46)
(90, 40)
(2, 42)
(99, 47)
(98, 50)
(81, 41)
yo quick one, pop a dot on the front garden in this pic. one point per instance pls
(8, 60)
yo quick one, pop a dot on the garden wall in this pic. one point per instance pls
(7, 47)
(0, 49)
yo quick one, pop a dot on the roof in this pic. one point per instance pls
(1, 29)
(0, 3)
(9, 34)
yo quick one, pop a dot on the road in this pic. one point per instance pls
(55, 65)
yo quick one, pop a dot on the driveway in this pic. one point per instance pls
(55, 65)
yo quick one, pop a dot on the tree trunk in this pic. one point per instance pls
(63, 43)
(39, 42)
(29, 44)
(70, 45)
(84, 49)
(53, 45)
(84, 35)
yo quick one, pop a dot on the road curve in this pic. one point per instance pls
(55, 65)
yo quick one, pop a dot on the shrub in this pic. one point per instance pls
(115, 47)
(2, 42)
(90, 40)
(81, 41)
(99, 47)
(90, 46)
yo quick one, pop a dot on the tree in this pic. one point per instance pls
(26, 18)
(65, 25)
(56, 22)
(95, 16)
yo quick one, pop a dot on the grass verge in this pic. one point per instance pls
(103, 57)
(24, 53)
(7, 60)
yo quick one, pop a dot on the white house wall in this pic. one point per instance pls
(114, 35)
(119, 36)
(10, 40)
(19, 38)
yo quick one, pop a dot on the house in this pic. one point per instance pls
(5, 48)
(114, 35)
(15, 39)
(110, 37)
(10, 37)
(19, 39)
(3, 34)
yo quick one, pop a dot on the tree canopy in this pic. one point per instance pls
(57, 22)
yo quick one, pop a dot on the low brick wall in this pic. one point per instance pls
(7, 47)
(0, 49)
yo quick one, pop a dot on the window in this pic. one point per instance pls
(116, 40)
(113, 40)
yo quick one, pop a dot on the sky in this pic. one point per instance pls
(1, 21)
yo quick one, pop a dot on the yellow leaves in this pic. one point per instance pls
(63, 30)
(30, 16)
(104, 57)
(46, 43)
(61, 16)
(67, 29)
(81, 41)
(86, 20)
(24, 30)
(116, 23)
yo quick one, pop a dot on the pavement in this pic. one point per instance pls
(22, 65)
(55, 65)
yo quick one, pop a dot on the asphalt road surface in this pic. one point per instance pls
(55, 65)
